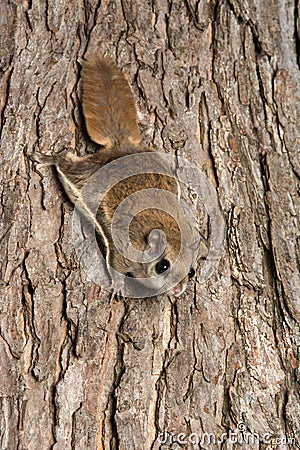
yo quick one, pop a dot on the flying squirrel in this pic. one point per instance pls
(167, 257)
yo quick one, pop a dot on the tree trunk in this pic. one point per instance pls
(217, 83)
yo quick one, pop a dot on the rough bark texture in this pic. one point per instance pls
(216, 82)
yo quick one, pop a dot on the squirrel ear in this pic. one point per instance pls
(157, 242)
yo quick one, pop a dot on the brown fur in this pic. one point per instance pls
(108, 105)
(111, 121)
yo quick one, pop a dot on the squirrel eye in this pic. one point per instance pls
(162, 266)
(191, 273)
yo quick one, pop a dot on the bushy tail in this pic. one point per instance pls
(108, 104)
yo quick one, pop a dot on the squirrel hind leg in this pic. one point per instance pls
(41, 159)
(52, 160)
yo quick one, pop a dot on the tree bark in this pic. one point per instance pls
(217, 83)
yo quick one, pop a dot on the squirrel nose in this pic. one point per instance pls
(178, 289)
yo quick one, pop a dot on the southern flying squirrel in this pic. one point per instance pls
(155, 232)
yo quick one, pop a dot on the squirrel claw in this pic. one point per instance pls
(118, 284)
(41, 159)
